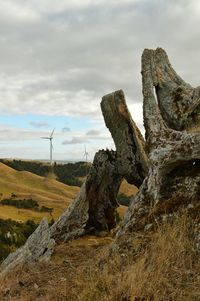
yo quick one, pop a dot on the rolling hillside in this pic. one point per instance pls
(47, 192)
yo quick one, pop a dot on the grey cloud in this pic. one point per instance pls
(17, 134)
(66, 129)
(93, 133)
(76, 140)
(61, 58)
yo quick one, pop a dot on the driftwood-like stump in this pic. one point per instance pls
(173, 179)
(95, 207)
(178, 101)
(131, 157)
(165, 166)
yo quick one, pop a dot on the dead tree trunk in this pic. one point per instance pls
(166, 166)
(131, 157)
(95, 206)
(173, 179)
(179, 103)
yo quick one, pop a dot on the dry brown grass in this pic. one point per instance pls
(128, 189)
(168, 269)
(46, 191)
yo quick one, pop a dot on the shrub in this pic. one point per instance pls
(123, 199)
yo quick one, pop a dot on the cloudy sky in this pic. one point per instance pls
(58, 58)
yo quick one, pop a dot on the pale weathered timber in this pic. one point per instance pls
(173, 180)
(166, 165)
(179, 102)
(129, 142)
(71, 224)
(94, 209)
(95, 206)
(102, 186)
(38, 247)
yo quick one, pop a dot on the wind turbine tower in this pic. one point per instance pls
(50, 138)
(85, 155)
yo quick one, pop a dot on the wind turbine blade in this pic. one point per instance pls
(52, 133)
(44, 137)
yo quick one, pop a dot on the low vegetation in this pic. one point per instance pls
(26, 204)
(166, 268)
(13, 235)
(123, 199)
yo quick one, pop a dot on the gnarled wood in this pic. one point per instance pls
(173, 179)
(131, 157)
(166, 165)
(102, 186)
(95, 206)
(179, 102)
(39, 246)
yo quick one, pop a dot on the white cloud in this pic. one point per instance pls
(61, 57)
(68, 56)
(12, 10)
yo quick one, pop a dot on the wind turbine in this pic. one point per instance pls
(85, 155)
(50, 138)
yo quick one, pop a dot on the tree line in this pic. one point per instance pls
(13, 235)
(25, 204)
(66, 173)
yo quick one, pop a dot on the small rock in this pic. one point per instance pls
(36, 286)
(63, 279)
(147, 227)
(102, 234)
(141, 211)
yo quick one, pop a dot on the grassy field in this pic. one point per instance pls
(165, 268)
(45, 190)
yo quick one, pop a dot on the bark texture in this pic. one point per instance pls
(95, 206)
(179, 102)
(102, 186)
(165, 166)
(173, 179)
(131, 157)
(38, 247)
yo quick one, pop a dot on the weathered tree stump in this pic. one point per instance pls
(165, 166)
(39, 246)
(131, 157)
(95, 206)
(173, 179)
(179, 103)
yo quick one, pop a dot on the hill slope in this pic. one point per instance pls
(47, 192)
(164, 267)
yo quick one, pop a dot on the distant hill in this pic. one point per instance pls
(46, 191)
(23, 187)
(69, 173)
